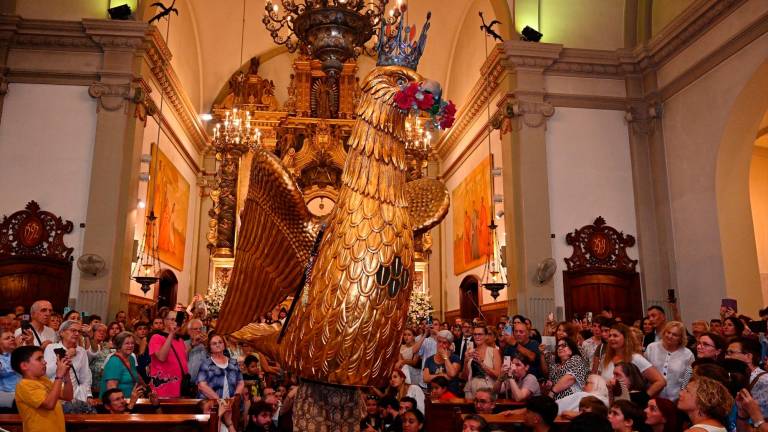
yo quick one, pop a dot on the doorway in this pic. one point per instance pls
(468, 294)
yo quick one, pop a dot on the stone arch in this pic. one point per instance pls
(734, 211)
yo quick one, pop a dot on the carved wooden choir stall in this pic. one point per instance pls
(599, 273)
(34, 261)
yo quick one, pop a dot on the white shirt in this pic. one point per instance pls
(415, 392)
(641, 362)
(82, 384)
(672, 365)
(571, 402)
(48, 334)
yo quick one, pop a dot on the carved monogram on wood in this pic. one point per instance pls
(599, 246)
(34, 232)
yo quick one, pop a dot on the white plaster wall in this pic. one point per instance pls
(590, 175)
(596, 24)
(693, 123)
(758, 196)
(708, 43)
(47, 134)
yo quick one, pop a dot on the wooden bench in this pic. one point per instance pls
(441, 414)
(169, 406)
(508, 423)
(184, 406)
(127, 422)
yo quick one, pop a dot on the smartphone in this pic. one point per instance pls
(551, 317)
(671, 296)
(180, 317)
(589, 317)
(25, 325)
(60, 352)
(729, 303)
(25, 317)
(507, 361)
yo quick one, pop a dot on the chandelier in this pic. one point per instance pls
(418, 144)
(332, 31)
(236, 134)
(493, 279)
(147, 262)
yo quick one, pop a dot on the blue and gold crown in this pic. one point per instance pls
(399, 47)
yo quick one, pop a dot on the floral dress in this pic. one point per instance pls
(574, 366)
(221, 379)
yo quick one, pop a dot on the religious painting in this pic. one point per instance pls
(171, 202)
(470, 202)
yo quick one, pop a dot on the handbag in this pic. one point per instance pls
(188, 388)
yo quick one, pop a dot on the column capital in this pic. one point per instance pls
(643, 117)
(111, 97)
(532, 113)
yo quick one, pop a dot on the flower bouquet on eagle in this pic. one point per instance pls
(427, 97)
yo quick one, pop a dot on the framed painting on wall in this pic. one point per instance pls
(170, 203)
(470, 202)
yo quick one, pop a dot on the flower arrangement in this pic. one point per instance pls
(216, 291)
(426, 97)
(419, 308)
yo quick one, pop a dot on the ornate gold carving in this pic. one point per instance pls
(428, 202)
(347, 324)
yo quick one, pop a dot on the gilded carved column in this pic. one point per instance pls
(225, 201)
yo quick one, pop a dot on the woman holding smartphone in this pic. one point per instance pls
(482, 363)
(168, 353)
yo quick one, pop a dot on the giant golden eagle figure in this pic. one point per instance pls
(347, 321)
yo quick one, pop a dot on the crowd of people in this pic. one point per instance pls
(52, 364)
(655, 374)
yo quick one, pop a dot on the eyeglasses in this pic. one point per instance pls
(562, 345)
(482, 401)
(732, 352)
(706, 345)
(478, 334)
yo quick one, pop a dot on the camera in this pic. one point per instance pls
(60, 352)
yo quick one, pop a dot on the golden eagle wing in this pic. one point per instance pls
(428, 203)
(273, 244)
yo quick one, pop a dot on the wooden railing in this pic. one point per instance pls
(441, 415)
(126, 422)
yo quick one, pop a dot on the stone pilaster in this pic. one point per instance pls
(652, 209)
(525, 180)
(116, 158)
